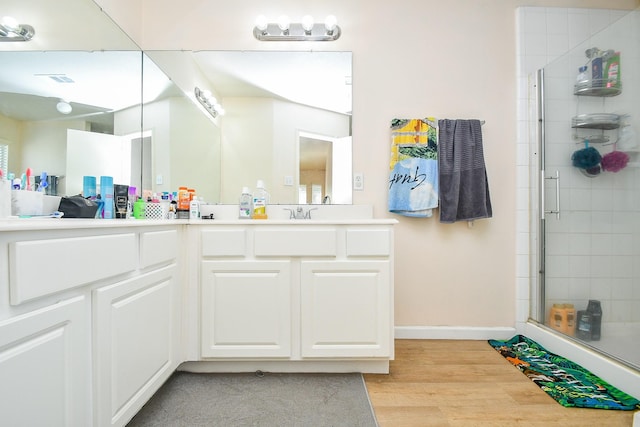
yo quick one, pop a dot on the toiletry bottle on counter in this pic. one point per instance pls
(194, 208)
(260, 201)
(245, 204)
(106, 190)
(121, 200)
(183, 199)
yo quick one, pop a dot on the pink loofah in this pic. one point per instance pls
(614, 161)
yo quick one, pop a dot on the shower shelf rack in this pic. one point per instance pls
(598, 87)
(604, 121)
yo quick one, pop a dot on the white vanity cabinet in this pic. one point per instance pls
(246, 308)
(89, 320)
(296, 296)
(44, 366)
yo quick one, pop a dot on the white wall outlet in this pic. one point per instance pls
(158, 179)
(358, 181)
(288, 180)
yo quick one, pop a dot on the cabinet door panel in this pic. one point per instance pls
(44, 366)
(135, 343)
(246, 309)
(345, 309)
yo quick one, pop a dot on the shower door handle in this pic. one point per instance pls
(555, 211)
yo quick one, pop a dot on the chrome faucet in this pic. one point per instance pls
(300, 213)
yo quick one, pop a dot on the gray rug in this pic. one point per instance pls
(189, 399)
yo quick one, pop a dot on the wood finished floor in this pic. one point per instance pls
(467, 383)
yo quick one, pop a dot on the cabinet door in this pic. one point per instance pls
(346, 309)
(246, 309)
(45, 366)
(136, 343)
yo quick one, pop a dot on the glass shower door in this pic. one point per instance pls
(589, 225)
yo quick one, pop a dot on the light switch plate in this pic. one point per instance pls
(288, 180)
(159, 179)
(358, 181)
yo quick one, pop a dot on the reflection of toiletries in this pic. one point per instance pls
(106, 190)
(120, 199)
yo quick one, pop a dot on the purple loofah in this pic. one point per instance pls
(615, 161)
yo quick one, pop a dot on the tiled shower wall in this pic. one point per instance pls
(594, 246)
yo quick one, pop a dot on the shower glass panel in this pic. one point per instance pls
(590, 190)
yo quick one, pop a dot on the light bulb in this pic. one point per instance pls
(330, 23)
(307, 23)
(283, 23)
(261, 23)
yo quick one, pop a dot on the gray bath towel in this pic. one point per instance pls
(464, 189)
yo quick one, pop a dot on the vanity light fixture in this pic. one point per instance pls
(206, 99)
(12, 31)
(307, 30)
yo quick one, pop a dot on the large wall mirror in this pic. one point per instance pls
(98, 105)
(287, 120)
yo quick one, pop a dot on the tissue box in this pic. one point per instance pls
(26, 202)
(33, 203)
(5, 198)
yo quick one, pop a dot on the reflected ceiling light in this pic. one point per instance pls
(63, 107)
(207, 100)
(306, 30)
(12, 31)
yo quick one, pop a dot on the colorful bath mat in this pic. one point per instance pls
(568, 383)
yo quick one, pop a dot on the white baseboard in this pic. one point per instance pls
(454, 332)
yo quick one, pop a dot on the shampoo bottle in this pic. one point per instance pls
(194, 208)
(245, 204)
(260, 201)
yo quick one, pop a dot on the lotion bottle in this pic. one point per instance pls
(194, 208)
(245, 204)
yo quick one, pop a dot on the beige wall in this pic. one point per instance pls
(411, 58)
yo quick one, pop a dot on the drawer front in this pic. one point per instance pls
(158, 247)
(370, 242)
(295, 242)
(42, 267)
(224, 243)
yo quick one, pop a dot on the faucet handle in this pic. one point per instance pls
(291, 214)
(308, 214)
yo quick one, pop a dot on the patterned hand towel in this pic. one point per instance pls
(413, 180)
(464, 189)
